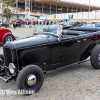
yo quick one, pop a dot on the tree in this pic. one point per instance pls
(6, 12)
(8, 3)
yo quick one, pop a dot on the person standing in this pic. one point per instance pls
(23, 23)
(20, 23)
(6, 23)
(40, 23)
(44, 22)
(30, 22)
(27, 22)
(37, 22)
(14, 24)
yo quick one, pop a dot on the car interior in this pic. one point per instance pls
(78, 31)
(71, 33)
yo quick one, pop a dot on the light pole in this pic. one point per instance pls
(89, 9)
(16, 9)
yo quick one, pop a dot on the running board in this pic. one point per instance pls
(79, 62)
(83, 61)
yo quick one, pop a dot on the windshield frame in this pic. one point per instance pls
(50, 33)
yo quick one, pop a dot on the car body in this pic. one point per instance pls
(6, 35)
(49, 48)
(97, 23)
(64, 25)
(88, 25)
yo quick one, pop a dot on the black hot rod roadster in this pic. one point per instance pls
(50, 48)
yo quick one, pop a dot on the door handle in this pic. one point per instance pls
(79, 40)
(84, 39)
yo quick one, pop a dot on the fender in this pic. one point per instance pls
(3, 36)
(88, 51)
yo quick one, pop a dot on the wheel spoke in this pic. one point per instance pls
(9, 39)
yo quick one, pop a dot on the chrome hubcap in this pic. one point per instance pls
(9, 39)
(31, 80)
(99, 57)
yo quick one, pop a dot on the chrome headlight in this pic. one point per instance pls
(12, 68)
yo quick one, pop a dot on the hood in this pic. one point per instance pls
(27, 42)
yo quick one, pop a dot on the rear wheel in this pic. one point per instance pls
(95, 57)
(8, 38)
(30, 78)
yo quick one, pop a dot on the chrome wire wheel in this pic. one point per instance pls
(9, 39)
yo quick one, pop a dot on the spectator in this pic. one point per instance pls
(44, 22)
(0, 24)
(14, 24)
(6, 23)
(29, 22)
(23, 23)
(20, 23)
(37, 22)
(33, 22)
(51, 22)
(40, 22)
(47, 23)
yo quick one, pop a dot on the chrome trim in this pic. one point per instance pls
(11, 53)
(31, 80)
(13, 66)
(16, 55)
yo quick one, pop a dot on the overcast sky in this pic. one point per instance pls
(92, 2)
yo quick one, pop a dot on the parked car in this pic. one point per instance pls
(3, 24)
(6, 35)
(64, 25)
(88, 25)
(50, 48)
(97, 23)
(74, 23)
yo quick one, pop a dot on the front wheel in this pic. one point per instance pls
(8, 38)
(30, 78)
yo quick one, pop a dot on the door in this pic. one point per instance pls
(71, 49)
(55, 48)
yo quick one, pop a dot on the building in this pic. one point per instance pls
(52, 9)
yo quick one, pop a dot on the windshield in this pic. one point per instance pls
(55, 29)
(70, 23)
(47, 30)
